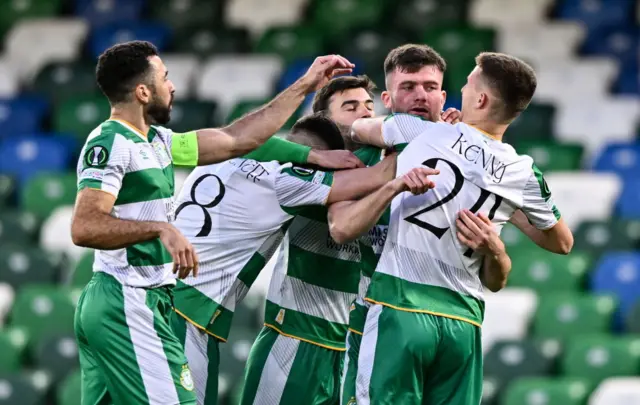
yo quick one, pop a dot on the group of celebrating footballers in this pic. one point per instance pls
(385, 232)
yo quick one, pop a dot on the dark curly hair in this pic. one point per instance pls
(122, 67)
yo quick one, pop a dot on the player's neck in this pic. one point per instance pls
(131, 116)
(490, 129)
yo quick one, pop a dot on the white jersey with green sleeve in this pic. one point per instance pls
(235, 214)
(423, 266)
(137, 169)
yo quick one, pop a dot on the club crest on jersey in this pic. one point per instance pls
(161, 152)
(302, 171)
(352, 401)
(280, 317)
(96, 156)
(185, 378)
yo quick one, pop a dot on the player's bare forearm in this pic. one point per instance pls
(250, 131)
(495, 270)
(92, 225)
(356, 183)
(350, 219)
(558, 239)
(368, 131)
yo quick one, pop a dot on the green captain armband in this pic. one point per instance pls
(184, 149)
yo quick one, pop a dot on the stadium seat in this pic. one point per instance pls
(103, 38)
(595, 121)
(619, 42)
(104, 12)
(7, 191)
(547, 391)
(57, 355)
(577, 202)
(534, 124)
(56, 243)
(181, 14)
(14, 342)
(21, 265)
(83, 271)
(79, 115)
(514, 239)
(491, 390)
(548, 272)
(34, 43)
(43, 193)
(600, 357)
(628, 83)
(27, 156)
(290, 43)
(207, 41)
(343, 16)
(553, 156)
(228, 79)
(628, 203)
(44, 311)
(182, 72)
(511, 359)
(368, 48)
(7, 295)
(622, 158)
(247, 106)
(247, 314)
(632, 318)
(508, 13)
(61, 80)
(619, 274)
(15, 11)
(21, 116)
(600, 236)
(617, 391)
(69, 391)
(565, 315)
(9, 82)
(242, 13)
(415, 15)
(187, 115)
(18, 227)
(234, 354)
(507, 315)
(19, 388)
(597, 13)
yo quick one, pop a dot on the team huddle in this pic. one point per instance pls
(385, 232)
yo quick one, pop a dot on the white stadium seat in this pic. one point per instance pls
(617, 391)
(507, 315)
(230, 79)
(33, 43)
(54, 241)
(574, 196)
(9, 82)
(502, 13)
(6, 301)
(259, 15)
(182, 72)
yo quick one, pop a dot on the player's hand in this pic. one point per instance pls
(416, 180)
(451, 116)
(334, 159)
(323, 69)
(478, 233)
(185, 260)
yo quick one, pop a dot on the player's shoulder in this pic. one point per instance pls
(307, 174)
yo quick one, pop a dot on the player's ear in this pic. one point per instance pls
(482, 100)
(444, 99)
(143, 93)
(386, 99)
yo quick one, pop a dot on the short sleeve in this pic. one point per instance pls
(103, 163)
(298, 186)
(537, 202)
(400, 129)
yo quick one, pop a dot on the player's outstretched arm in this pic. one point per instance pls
(249, 132)
(368, 131)
(557, 239)
(348, 220)
(93, 226)
(477, 233)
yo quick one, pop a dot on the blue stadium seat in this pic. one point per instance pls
(20, 116)
(298, 67)
(100, 13)
(620, 158)
(628, 204)
(622, 43)
(103, 38)
(26, 156)
(598, 13)
(618, 273)
(629, 80)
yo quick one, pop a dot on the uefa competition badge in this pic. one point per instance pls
(96, 156)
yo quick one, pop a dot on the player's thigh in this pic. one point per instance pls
(203, 353)
(455, 377)
(350, 369)
(128, 333)
(395, 346)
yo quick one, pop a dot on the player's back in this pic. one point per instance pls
(423, 258)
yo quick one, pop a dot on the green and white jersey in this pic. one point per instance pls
(315, 280)
(138, 171)
(423, 266)
(235, 214)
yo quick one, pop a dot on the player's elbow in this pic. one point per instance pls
(339, 233)
(79, 235)
(565, 245)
